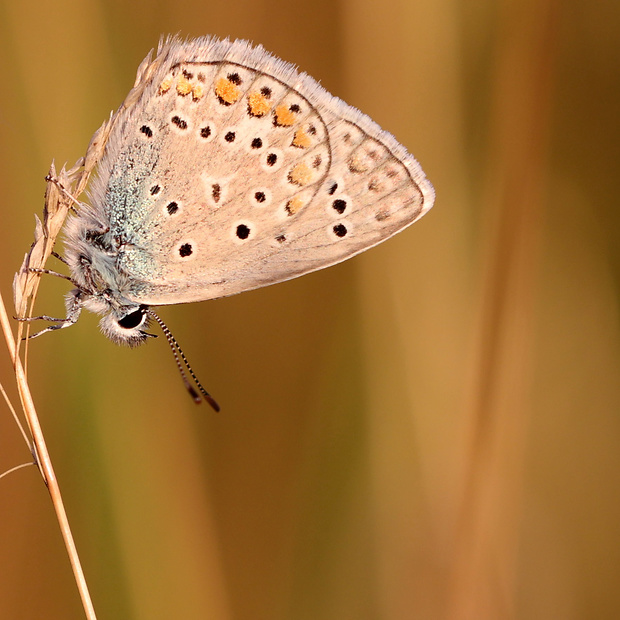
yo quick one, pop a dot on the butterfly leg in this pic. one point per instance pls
(74, 308)
(52, 273)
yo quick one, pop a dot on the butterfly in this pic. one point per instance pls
(227, 170)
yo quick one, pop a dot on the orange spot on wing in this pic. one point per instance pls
(258, 104)
(301, 139)
(164, 87)
(184, 86)
(227, 91)
(300, 174)
(284, 117)
(294, 205)
(198, 91)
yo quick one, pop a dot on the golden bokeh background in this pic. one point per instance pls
(428, 431)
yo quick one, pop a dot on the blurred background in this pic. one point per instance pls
(430, 430)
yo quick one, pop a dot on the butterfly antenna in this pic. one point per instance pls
(178, 356)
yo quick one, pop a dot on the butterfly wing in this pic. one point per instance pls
(233, 171)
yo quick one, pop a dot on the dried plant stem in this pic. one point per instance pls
(10, 471)
(44, 463)
(9, 404)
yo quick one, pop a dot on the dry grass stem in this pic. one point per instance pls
(9, 404)
(10, 471)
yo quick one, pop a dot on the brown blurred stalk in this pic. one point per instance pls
(486, 550)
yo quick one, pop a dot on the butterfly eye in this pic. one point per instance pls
(133, 319)
(127, 330)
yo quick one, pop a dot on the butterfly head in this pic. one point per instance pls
(123, 324)
(92, 252)
(126, 327)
